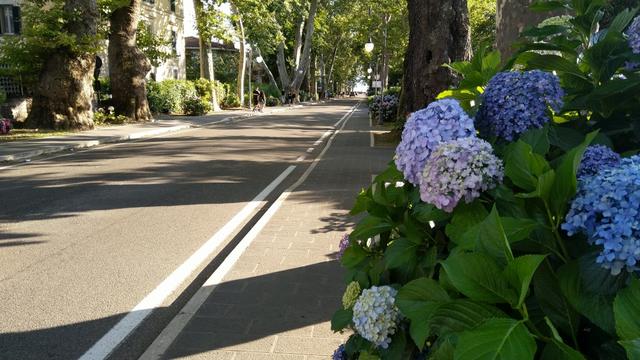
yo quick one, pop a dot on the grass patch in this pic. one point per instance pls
(29, 134)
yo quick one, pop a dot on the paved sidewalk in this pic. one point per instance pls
(278, 299)
(27, 149)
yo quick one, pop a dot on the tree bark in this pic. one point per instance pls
(242, 59)
(128, 66)
(438, 34)
(306, 52)
(513, 16)
(297, 50)
(62, 97)
(333, 61)
(313, 83)
(282, 68)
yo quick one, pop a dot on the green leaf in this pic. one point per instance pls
(632, 347)
(400, 253)
(595, 307)
(425, 213)
(626, 309)
(460, 315)
(341, 319)
(549, 296)
(365, 355)
(491, 239)
(491, 63)
(544, 31)
(518, 229)
(556, 350)
(565, 184)
(621, 21)
(362, 203)
(478, 277)
(550, 63)
(353, 256)
(370, 226)
(538, 139)
(496, 339)
(464, 218)
(442, 350)
(519, 273)
(523, 166)
(544, 6)
(396, 349)
(418, 300)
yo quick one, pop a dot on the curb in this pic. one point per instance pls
(134, 136)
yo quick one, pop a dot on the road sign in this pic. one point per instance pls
(376, 84)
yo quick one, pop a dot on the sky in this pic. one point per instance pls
(190, 17)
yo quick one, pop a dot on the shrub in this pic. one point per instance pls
(108, 117)
(231, 100)
(272, 101)
(388, 104)
(3, 96)
(168, 96)
(196, 106)
(499, 244)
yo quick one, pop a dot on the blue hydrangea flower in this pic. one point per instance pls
(340, 353)
(633, 38)
(459, 169)
(441, 121)
(633, 35)
(343, 245)
(388, 104)
(596, 158)
(376, 316)
(607, 210)
(514, 102)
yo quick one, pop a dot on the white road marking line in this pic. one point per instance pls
(301, 158)
(373, 141)
(161, 344)
(310, 150)
(124, 327)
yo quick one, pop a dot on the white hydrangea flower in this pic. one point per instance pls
(376, 316)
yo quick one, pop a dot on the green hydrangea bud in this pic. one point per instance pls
(351, 295)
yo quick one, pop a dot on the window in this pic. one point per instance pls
(172, 5)
(9, 19)
(174, 42)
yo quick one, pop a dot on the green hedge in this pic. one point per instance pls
(184, 96)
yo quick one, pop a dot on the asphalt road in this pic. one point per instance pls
(85, 237)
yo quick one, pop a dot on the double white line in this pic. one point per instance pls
(110, 341)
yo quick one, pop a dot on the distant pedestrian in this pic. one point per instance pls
(262, 100)
(256, 99)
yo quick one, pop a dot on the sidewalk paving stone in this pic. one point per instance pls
(278, 299)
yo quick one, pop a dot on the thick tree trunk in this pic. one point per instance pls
(313, 83)
(203, 52)
(322, 77)
(128, 66)
(438, 34)
(513, 16)
(306, 52)
(62, 97)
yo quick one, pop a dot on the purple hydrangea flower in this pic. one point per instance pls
(515, 102)
(441, 121)
(340, 353)
(343, 245)
(5, 126)
(607, 210)
(459, 169)
(388, 104)
(596, 158)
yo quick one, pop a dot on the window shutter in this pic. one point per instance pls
(17, 21)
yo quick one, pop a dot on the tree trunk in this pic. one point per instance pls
(62, 97)
(242, 59)
(272, 79)
(438, 34)
(297, 50)
(204, 43)
(282, 69)
(333, 60)
(322, 77)
(313, 83)
(513, 16)
(306, 52)
(128, 66)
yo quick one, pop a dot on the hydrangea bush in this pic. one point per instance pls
(388, 104)
(5, 126)
(520, 241)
